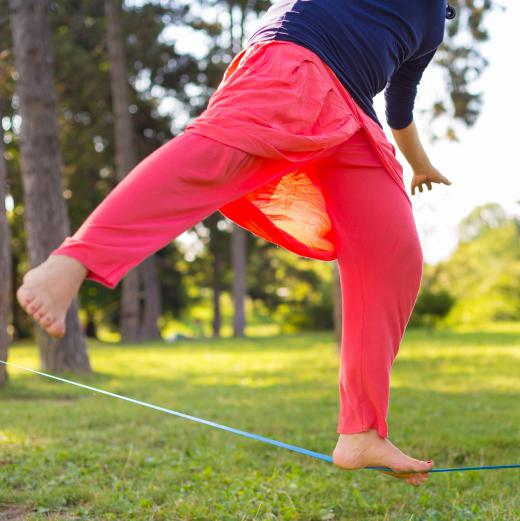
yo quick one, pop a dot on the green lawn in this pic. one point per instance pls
(68, 453)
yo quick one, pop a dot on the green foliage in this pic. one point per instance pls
(462, 62)
(431, 307)
(483, 274)
(299, 291)
(480, 282)
(81, 70)
(481, 219)
(67, 453)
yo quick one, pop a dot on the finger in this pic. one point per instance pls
(429, 184)
(442, 179)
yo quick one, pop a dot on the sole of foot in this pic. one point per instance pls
(48, 290)
(368, 449)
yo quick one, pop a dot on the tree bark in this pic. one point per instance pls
(126, 158)
(217, 315)
(152, 297)
(238, 235)
(336, 287)
(5, 259)
(239, 286)
(91, 328)
(46, 219)
(16, 311)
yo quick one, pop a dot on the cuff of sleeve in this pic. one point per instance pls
(399, 123)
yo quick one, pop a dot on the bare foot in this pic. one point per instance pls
(368, 449)
(48, 290)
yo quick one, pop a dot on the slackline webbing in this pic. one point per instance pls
(246, 434)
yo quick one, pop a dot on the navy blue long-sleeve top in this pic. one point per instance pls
(371, 45)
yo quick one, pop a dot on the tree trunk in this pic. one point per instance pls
(238, 236)
(249, 6)
(129, 317)
(19, 318)
(336, 286)
(46, 219)
(126, 159)
(217, 316)
(91, 328)
(239, 288)
(152, 290)
(5, 259)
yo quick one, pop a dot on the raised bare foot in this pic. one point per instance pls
(368, 449)
(48, 290)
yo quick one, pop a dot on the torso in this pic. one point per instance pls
(363, 41)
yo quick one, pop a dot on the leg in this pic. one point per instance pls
(380, 262)
(181, 183)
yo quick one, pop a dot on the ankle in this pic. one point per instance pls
(71, 264)
(361, 434)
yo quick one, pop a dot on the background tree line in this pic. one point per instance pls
(82, 84)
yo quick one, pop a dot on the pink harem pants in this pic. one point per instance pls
(285, 152)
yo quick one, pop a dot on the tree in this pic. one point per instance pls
(87, 120)
(238, 234)
(433, 302)
(5, 258)
(132, 329)
(46, 219)
(212, 68)
(483, 273)
(463, 63)
(239, 284)
(218, 247)
(481, 219)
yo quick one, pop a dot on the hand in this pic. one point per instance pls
(427, 175)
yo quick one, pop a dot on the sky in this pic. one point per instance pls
(481, 166)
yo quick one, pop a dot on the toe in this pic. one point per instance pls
(401, 474)
(47, 320)
(40, 313)
(33, 307)
(419, 466)
(24, 297)
(426, 465)
(423, 478)
(414, 480)
(56, 329)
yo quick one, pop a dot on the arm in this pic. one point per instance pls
(401, 90)
(409, 144)
(400, 96)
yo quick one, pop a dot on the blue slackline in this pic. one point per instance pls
(257, 437)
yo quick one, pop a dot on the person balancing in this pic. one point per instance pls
(290, 148)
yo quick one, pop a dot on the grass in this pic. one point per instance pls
(68, 453)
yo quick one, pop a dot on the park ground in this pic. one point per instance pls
(67, 453)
